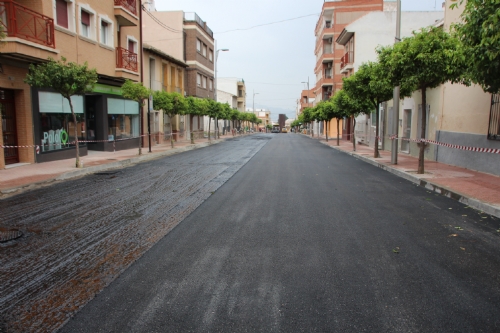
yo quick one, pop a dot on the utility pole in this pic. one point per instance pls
(395, 96)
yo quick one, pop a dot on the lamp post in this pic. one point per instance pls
(308, 104)
(253, 101)
(395, 96)
(215, 83)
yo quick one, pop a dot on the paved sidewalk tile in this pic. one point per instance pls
(476, 189)
(16, 178)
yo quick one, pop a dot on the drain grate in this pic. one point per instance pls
(7, 235)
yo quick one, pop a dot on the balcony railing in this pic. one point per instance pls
(126, 59)
(348, 58)
(130, 5)
(195, 18)
(19, 21)
(327, 49)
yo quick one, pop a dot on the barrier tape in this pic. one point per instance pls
(449, 145)
(37, 147)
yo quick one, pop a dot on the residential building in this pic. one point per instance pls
(232, 101)
(186, 37)
(360, 40)
(456, 115)
(234, 86)
(264, 115)
(163, 72)
(104, 34)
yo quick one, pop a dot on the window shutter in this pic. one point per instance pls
(62, 13)
(85, 18)
(131, 45)
(104, 24)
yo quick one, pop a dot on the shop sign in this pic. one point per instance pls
(105, 89)
(54, 139)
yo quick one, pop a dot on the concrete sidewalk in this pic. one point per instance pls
(475, 189)
(17, 178)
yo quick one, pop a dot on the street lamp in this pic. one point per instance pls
(215, 83)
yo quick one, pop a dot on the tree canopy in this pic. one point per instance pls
(479, 33)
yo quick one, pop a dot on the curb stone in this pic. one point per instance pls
(469, 201)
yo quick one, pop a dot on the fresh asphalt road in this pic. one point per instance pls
(304, 238)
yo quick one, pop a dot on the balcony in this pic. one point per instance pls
(346, 63)
(129, 5)
(126, 12)
(193, 17)
(24, 23)
(126, 59)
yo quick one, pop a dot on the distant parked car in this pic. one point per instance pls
(284, 130)
(275, 130)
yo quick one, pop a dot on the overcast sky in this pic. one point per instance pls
(272, 59)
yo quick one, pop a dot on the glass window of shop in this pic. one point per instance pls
(123, 119)
(56, 121)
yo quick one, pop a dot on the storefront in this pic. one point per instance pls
(105, 121)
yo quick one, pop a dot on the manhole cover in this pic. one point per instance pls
(7, 235)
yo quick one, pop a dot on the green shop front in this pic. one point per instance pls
(105, 121)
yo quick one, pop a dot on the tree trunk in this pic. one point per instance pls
(326, 130)
(422, 145)
(171, 134)
(338, 132)
(209, 121)
(77, 162)
(376, 153)
(353, 134)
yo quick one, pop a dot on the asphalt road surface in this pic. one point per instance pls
(303, 238)
(307, 239)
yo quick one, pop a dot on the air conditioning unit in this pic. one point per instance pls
(329, 89)
(329, 65)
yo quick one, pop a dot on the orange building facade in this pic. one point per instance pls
(335, 15)
(36, 123)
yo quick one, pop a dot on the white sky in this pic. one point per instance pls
(273, 59)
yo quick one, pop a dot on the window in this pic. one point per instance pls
(211, 84)
(85, 27)
(64, 14)
(131, 44)
(198, 80)
(204, 82)
(211, 55)
(57, 127)
(204, 50)
(123, 118)
(494, 125)
(106, 31)
(87, 22)
(198, 45)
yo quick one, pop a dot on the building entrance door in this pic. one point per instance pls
(9, 127)
(405, 144)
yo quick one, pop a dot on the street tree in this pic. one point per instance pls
(307, 116)
(66, 78)
(370, 83)
(479, 34)
(172, 104)
(136, 92)
(338, 111)
(352, 107)
(424, 61)
(213, 111)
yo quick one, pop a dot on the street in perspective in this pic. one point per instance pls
(248, 235)
(216, 166)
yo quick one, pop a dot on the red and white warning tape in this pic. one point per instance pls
(449, 145)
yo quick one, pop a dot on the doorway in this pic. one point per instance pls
(405, 144)
(9, 126)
